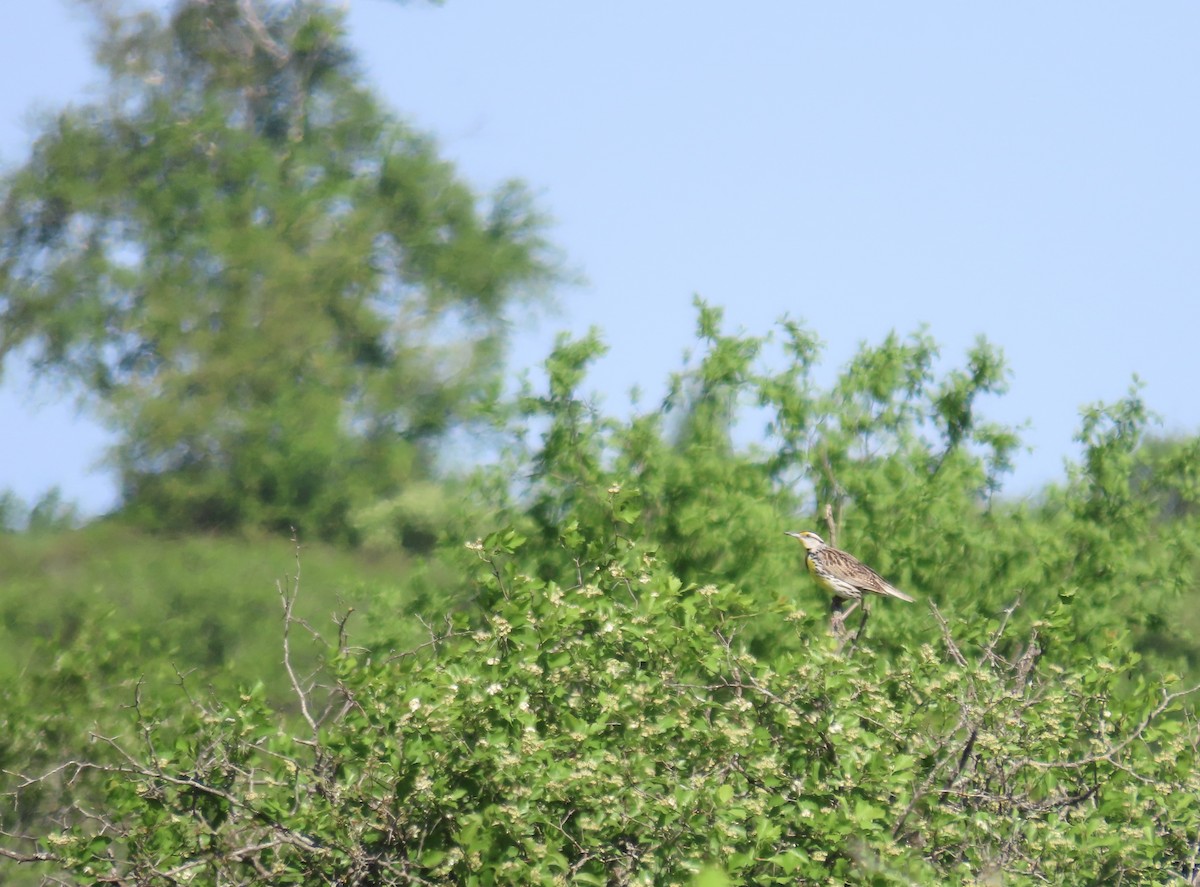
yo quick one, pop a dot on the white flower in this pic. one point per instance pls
(414, 704)
(493, 689)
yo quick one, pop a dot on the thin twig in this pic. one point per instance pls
(1112, 750)
(288, 597)
(258, 31)
(947, 637)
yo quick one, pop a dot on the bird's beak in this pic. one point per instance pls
(790, 533)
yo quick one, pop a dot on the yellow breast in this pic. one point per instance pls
(823, 580)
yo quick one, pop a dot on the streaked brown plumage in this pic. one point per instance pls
(843, 574)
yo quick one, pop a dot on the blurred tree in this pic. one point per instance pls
(277, 293)
(13, 512)
(51, 513)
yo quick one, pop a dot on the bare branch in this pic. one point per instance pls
(288, 598)
(258, 30)
(948, 637)
(1110, 753)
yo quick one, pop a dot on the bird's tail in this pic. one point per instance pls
(893, 591)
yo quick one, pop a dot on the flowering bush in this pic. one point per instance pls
(607, 726)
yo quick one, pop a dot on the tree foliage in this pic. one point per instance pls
(629, 680)
(278, 294)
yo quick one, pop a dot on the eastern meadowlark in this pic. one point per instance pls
(843, 574)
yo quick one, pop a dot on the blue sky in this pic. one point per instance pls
(1024, 171)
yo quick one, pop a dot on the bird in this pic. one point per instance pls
(843, 574)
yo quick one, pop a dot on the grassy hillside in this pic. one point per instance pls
(208, 604)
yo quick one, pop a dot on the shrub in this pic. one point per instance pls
(606, 725)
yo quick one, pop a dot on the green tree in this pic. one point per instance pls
(897, 462)
(279, 295)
